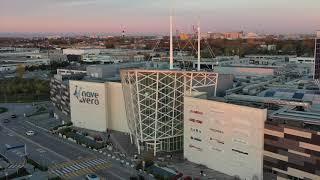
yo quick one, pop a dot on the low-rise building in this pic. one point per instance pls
(282, 137)
(301, 60)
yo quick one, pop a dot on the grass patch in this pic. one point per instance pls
(3, 110)
(61, 125)
(40, 110)
(21, 98)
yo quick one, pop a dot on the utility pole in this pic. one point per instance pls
(199, 48)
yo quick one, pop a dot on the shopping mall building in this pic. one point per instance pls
(246, 127)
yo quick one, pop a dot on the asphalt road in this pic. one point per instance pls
(48, 149)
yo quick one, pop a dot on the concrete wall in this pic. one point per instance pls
(92, 112)
(224, 137)
(80, 51)
(116, 108)
(245, 71)
(225, 82)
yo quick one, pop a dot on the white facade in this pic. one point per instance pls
(80, 51)
(70, 71)
(306, 60)
(245, 71)
(27, 61)
(224, 137)
(116, 108)
(154, 104)
(98, 106)
(88, 105)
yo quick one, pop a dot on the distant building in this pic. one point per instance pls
(270, 47)
(79, 54)
(302, 60)
(11, 58)
(184, 36)
(317, 57)
(251, 35)
(233, 35)
(216, 36)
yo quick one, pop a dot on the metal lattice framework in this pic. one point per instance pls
(154, 104)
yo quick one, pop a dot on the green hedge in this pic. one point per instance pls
(55, 178)
(20, 173)
(72, 133)
(3, 110)
(61, 125)
(37, 165)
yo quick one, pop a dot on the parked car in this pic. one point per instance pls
(13, 116)
(92, 177)
(30, 133)
(6, 121)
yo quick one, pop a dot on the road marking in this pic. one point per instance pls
(35, 143)
(57, 166)
(116, 175)
(78, 168)
(32, 124)
(60, 140)
(40, 150)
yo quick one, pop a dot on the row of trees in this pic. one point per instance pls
(241, 47)
(52, 66)
(19, 89)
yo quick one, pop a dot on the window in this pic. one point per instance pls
(196, 112)
(216, 149)
(216, 140)
(216, 130)
(194, 147)
(195, 121)
(195, 130)
(241, 141)
(238, 151)
(196, 139)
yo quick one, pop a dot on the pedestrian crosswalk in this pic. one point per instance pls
(79, 167)
(16, 165)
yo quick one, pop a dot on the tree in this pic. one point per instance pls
(20, 70)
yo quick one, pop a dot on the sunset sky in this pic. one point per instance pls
(151, 16)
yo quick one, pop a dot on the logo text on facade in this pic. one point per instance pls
(84, 96)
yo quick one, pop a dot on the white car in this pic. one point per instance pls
(92, 177)
(30, 133)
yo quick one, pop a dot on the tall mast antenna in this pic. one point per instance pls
(171, 41)
(199, 48)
